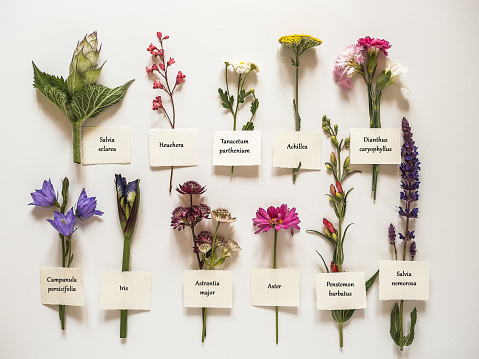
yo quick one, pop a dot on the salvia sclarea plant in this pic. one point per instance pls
(63, 222)
(211, 249)
(338, 196)
(409, 195)
(128, 204)
(79, 97)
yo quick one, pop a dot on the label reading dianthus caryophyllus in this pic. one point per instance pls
(345, 290)
(236, 148)
(275, 287)
(208, 289)
(102, 145)
(125, 290)
(408, 280)
(62, 286)
(177, 147)
(375, 146)
(292, 147)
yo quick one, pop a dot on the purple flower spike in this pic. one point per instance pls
(412, 250)
(44, 197)
(64, 224)
(86, 206)
(392, 234)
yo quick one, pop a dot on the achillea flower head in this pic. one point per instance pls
(276, 218)
(222, 215)
(299, 43)
(191, 187)
(373, 44)
(348, 63)
(86, 206)
(392, 234)
(64, 224)
(45, 197)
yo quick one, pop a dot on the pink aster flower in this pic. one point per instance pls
(373, 44)
(277, 218)
(348, 63)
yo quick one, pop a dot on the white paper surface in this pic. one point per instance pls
(408, 280)
(345, 290)
(125, 290)
(236, 148)
(292, 147)
(275, 287)
(177, 147)
(62, 286)
(208, 288)
(375, 146)
(102, 145)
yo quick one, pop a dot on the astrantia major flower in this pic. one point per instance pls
(222, 215)
(348, 63)
(276, 218)
(191, 187)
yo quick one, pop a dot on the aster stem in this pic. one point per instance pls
(274, 267)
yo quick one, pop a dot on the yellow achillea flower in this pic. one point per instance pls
(299, 43)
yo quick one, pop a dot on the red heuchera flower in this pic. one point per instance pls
(277, 218)
(157, 103)
(329, 225)
(180, 78)
(381, 44)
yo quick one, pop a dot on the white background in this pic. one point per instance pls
(436, 40)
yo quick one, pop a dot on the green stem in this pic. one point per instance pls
(401, 307)
(203, 333)
(340, 334)
(274, 267)
(296, 95)
(276, 324)
(76, 142)
(125, 268)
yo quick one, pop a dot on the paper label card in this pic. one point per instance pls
(275, 287)
(236, 148)
(375, 146)
(345, 290)
(173, 147)
(62, 286)
(208, 289)
(292, 147)
(408, 280)
(125, 290)
(102, 145)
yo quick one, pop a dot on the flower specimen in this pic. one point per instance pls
(338, 197)
(79, 97)
(128, 203)
(242, 69)
(211, 250)
(298, 44)
(161, 70)
(64, 223)
(410, 184)
(362, 58)
(276, 218)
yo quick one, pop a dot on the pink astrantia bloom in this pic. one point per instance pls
(348, 63)
(276, 218)
(373, 44)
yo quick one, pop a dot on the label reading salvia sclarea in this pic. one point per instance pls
(292, 147)
(208, 289)
(403, 280)
(177, 147)
(345, 290)
(62, 286)
(375, 146)
(275, 287)
(103, 145)
(236, 148)
(125, 290)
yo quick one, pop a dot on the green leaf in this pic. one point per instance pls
(383, 80)
(243, 95)
(254, 106)
(330, 240)
(75, 83)
(371, 280)
(225, 99)
(219, 262)
(395, 322)
(96, 98)
(92, 75)
(349, 174)
(248, 127)
(410, 337)
(344, 233)
(325, 266)
(42, 79)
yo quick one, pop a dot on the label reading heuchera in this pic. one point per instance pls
(102, 145)
(292, 147)
(408, 280)
(125, 290)
(275, 287)
(173, 147)
(208, 289)
(236, 148)
(62, 286)
(375, 146)
(345, 290)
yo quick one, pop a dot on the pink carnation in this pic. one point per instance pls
(347, 64)
(381, 44)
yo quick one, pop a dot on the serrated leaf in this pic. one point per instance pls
(94, 99)
(248, 126)
(225, 99)
(254, 106)
(60, 99)
(42, 79)
(395, 322)
(243, 95)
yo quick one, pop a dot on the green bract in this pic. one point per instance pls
(79, 97)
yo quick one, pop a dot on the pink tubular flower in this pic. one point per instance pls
(154, 67)
(157, 103)
(180, 78)
(374, 44)
(171, 61)
(277, 218)
(329, 226)
(162, 67)
(151, 48)
(149, 70)
(159, 35)
(157, 85)
(154, 52)
(348, 63)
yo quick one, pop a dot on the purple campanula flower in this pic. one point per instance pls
(64, 224)
(86, 206)
(45, 197)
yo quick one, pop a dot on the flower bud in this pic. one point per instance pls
(339, 195)
(346, 162)
(332, 158)
(339, 187)
(334, 267)
(329, 226)
(347, 141)
(333, 190)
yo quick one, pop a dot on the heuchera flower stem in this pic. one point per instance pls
(125, 268)
(274, 267)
